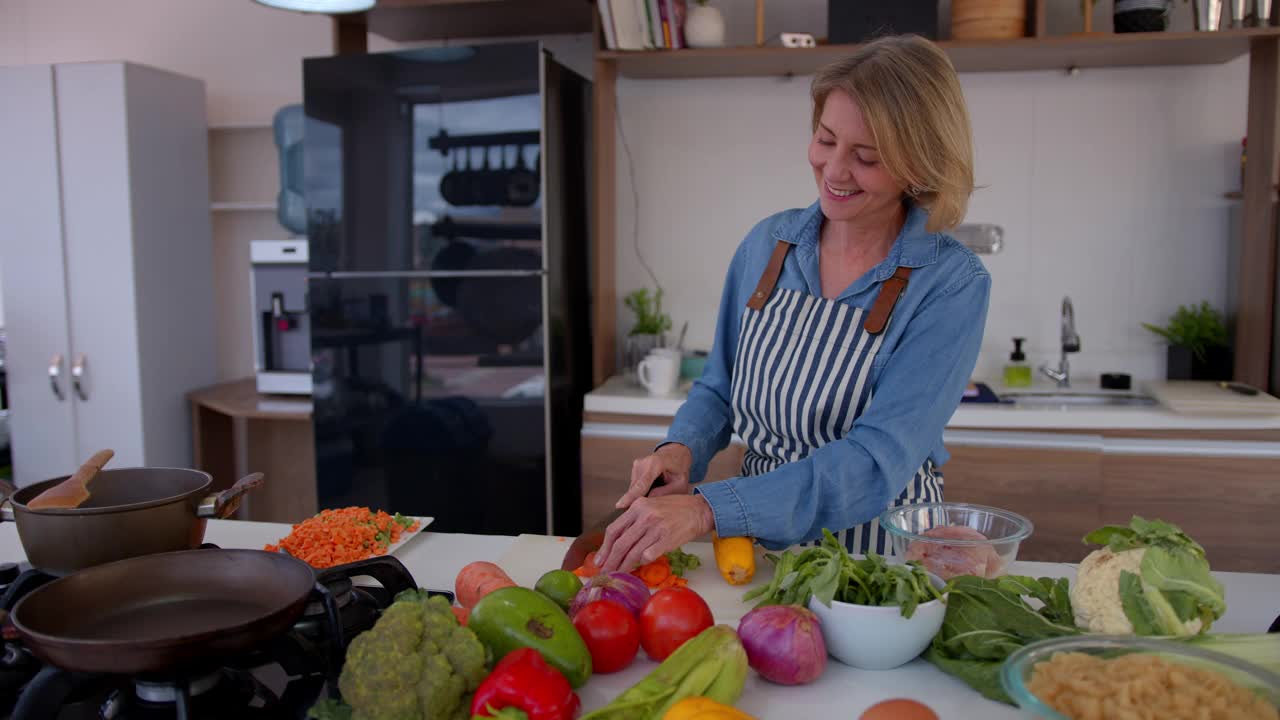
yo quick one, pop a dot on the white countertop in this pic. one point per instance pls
(618, 395)
(842, 691)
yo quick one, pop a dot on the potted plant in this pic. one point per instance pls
(1197, 340)
(649, 330)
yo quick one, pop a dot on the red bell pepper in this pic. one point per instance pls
(525, 681)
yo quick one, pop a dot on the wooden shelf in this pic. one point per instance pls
(417, 20)
(244, 206)
(1043, 53)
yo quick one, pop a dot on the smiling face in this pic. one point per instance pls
(853, 183)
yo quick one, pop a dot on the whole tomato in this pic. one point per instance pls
(671, 617)
(611, 633)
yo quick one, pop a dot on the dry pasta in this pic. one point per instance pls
(1141, 687)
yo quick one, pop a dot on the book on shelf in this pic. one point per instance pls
(642, 24)
(606, 24)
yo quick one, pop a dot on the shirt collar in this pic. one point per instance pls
(915, 246)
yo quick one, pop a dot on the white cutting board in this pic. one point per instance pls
(1195, 397)
(532, 555)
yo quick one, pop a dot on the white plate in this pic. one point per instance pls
(406, 538)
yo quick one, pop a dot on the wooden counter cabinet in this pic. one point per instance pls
(1225, 495)
(606, 470)
(236, 431)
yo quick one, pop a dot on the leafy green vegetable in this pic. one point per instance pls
(1174, 587)
(827, 572)
(987, 620)
(682, 562)
(1144, 533)
(1135, 605)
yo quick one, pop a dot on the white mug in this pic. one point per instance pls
(659, 373)
(669, 352)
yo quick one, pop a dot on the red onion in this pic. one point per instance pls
(784, 643)
(625, 589)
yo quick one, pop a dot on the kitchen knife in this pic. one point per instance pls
(591, 540)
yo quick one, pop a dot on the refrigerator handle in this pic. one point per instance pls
(55, 371)
(77, 374)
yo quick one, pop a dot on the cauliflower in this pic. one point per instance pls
(415, 663)
(1095, 598)
(1151, 579)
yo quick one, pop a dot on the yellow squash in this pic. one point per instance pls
(703, 708)
(736, 558)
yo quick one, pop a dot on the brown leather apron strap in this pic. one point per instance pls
(882, 308)
(769, 278)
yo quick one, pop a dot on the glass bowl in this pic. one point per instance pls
(949, 557)
(1017, 669)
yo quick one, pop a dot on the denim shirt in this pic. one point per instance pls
(929, 349)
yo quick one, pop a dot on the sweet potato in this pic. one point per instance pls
(477, 580)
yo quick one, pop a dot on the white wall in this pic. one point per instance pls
(1109, 186)
(247, 54)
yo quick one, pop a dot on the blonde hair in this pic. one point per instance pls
(910, 96)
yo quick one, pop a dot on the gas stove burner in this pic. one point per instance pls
(280, 678)
(340, 588)
(155, 690)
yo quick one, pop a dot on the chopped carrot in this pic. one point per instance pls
(588, 567)
(335, 537)
(672, 580)
(655, 573)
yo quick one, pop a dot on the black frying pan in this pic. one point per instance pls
(165, 611)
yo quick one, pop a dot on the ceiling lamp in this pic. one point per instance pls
(330, 7)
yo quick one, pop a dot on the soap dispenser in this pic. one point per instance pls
(1017, 373)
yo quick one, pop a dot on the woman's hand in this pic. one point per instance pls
(651, 527)
(671, 462)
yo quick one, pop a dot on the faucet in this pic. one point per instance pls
(1070, 344)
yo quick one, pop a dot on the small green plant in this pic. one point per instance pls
(1196, 327)
(650, 320)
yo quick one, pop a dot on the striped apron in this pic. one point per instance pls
(800, 380)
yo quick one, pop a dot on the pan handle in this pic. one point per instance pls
(386, 569)
(225, 503)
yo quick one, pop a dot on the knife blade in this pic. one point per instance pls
(592, 538)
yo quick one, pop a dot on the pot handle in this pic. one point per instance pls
(7, 489)
(386, 569)
(225, 503)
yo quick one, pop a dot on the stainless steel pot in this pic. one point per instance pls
(131, 512)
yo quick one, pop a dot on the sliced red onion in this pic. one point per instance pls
(623, 588)
(784, 643)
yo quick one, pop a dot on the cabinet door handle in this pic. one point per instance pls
(77, 373)
(55, 371)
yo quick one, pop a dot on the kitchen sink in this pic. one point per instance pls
(1088, 399)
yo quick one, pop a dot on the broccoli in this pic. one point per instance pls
(415, 663)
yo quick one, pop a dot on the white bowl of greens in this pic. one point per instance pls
(874, 615)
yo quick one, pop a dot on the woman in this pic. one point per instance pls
(847, 330)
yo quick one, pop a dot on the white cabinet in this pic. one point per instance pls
(106, 253)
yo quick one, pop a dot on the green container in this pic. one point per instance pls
(692, 364)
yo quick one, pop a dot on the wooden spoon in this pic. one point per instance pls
(72, 492)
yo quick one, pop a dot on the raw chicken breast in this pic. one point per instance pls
(948, 561)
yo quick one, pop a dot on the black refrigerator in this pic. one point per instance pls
(448, 286)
